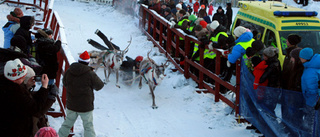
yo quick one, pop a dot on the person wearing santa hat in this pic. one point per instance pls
(80, 81)
(17, 102)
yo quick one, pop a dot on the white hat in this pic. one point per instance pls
(214, 24)
(14, 70)
(29, 75)
(238, 31)
(179, 6)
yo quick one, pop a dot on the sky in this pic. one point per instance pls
(126, 111)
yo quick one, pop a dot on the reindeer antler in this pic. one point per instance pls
(112, 45)
(151, 60)
(129, 44)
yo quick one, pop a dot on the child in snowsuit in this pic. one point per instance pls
(259, 68)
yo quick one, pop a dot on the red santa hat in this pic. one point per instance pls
(84, 57)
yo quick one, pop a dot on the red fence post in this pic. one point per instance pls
(217, 71)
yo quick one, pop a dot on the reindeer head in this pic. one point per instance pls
(119, 54)
(158, 69)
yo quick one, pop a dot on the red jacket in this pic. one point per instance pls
(257, 72)
(210, 10)
(196, 6)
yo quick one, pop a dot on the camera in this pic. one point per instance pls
(37, 78)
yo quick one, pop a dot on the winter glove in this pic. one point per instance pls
(228, 64)
(210, 46)
(172, 24)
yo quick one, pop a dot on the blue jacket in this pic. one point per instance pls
(7, 34)
(238, 51)
(309, 80)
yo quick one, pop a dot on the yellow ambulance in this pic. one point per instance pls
(272, 22)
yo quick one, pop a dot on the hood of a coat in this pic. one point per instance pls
(313, 63)
(26, 22)
(245, 37)
(78, 69)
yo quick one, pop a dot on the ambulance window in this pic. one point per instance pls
(270, 39)
(257, 30)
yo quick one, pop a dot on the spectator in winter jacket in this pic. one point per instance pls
(205, 3)
(26, 23)
(19, 44)
(259, 68)
(210, 9)
(203, 14)
(80, 81)
(156, 6)
(169, 3)
(196, 7)
(11, 26)
(292, 42)
(294, 78)
(310, 76)
(218, 36)
(167, 14)
(220, 16)
(17, 101)
(229, 15)
(273, 71)
(252, 51)
(244, 40)
(47, 49)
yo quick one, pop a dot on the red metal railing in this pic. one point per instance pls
(159, 27)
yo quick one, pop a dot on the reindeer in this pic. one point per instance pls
(111, 60)
(153, 74)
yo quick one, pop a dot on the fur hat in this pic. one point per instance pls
(294, 39)
(270, 52)
(306, 53)
(46, 132)
(30, 74)
(295, 53)
(203, 24)
(45, 32)
(15, 70)
(179, 6)
(238, 31)
(84, 57)
(192, 17)
(214, 24)
(255, 60)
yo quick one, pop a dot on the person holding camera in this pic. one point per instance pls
(80, 81)
(17, 102)
(46, 53)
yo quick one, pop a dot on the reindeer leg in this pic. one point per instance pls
(105, 75)
(109, 72)
(117, 76)
(152, 87)
(140, 82)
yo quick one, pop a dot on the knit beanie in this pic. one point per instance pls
(15, 70)
(219, 7)
(30, 74)
(84, 57)
(179, 6)
(294, 39)
(46, 132)
(192, 17)
(238, 31)
(270, 52)
(229, 4)
(18, 12)
(167, 10)
(203, 6)
(203, 24)
(295, 53)
(257, 45)
(214, 24)
(306, 53)
(255, 60)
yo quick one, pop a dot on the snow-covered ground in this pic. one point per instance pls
(126, 111)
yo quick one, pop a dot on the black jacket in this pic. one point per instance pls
(221, 18)
(287, 68)
(229, 17)
(18, 107)
(272, 73)
(47, 56)
(26, 22)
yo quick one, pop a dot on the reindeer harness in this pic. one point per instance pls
(144, 71)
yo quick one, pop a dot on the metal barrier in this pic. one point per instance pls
(155, 31)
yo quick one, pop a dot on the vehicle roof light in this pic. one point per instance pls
(295, 13)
